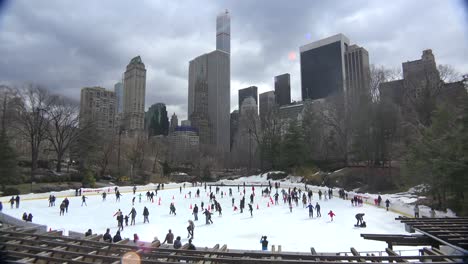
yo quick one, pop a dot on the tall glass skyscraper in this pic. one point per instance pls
(223, 32)
(323, 67)
(283, 89)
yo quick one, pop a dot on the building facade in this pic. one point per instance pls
(267, 104)
(322, 67)
(283, 89)
(357, 74)
(97, 107)
(174, 123)
(156, 120)
(184, 144)
(134, 95)
(247, 92)
(118, 89)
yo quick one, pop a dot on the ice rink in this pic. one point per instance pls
(293, 231)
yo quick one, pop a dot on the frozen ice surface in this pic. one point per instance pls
(293, 231)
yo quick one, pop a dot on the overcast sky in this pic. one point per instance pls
(66, 45)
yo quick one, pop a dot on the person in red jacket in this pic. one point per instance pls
(331, 214)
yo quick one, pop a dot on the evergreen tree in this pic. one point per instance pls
(439, 159)
(8, 164)
(88, 179)
(293, 150)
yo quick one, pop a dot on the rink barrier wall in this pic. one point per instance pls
(4, 218)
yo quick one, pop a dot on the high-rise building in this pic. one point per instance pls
(283, 89)
(209, 91)
(209, 98)
(118, 89)
(234, 125)
(156, 120)
(420, 74)
(331, 66)
(267, 104)
(223, 32)
(97, 107)
(322, 67)
(134, 95)
(357, 74)
(174, 123)
(245, 93)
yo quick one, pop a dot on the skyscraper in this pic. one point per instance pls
(267, 104)
(283, 89)
(247, 92)
(223, 32)
(97, 107)
(322, 67)
(210, 89)
(156, 120)
(209, 98)
(357, 73)
(118, 89)
(134, 95)
(174, 123)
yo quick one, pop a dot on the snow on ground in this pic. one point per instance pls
(293, 231)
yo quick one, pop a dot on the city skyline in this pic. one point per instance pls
(93, 53)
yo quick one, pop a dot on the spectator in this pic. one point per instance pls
(135, 238)
(416, 211)
(107, 236)
(88, 233)
(30, 216)
(190, 245)
(169, 237)
(25, 217)
(177, 243)
(156, 242)
(117, 237)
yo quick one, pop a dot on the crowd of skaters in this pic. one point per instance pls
(290, 196)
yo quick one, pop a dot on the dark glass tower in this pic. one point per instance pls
(323, 67)
(251, 91)
(283, 89)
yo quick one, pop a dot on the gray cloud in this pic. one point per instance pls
(67, 45)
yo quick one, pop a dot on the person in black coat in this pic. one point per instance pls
(145, 215)
(30, 216)
(107, 236)
(207, 217)
(17, 199)
(190, 245)
(251, 209)
(195, 212)
(88, 233)
(177, 243)
(359, 218)
(117, 237)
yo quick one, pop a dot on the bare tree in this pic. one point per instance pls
(448, 74)
(62, 129)
(380, 74)
(32, 118)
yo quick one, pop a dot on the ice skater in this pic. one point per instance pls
(331, 214)
(387, 204)
(311, 210)
(83, 200)
(104, 194)
(133, 214)
(195, 212)
(360, 220)
(145, 215)
(208, 217)
(190, 229)
(251, 209)
(317, 208)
